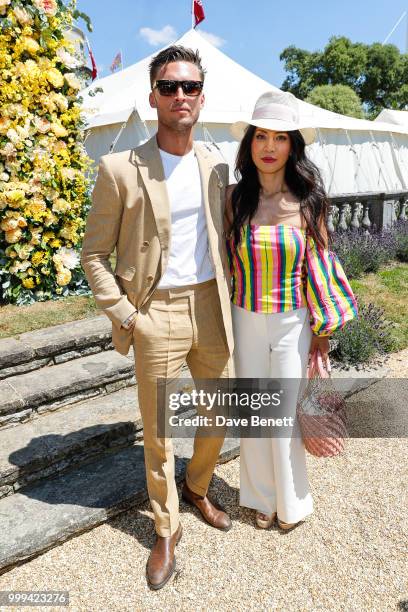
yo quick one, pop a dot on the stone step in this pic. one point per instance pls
(25, 396)
(78, 500)
(54, 345)
(59, 440)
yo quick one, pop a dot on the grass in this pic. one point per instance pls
(388, 288)
(19, 319)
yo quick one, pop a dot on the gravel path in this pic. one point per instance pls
(398, 364)
(350, 555)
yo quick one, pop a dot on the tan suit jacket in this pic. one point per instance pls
(131, 212)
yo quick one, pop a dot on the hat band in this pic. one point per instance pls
(274, 111)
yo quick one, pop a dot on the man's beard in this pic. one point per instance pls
(181, 125)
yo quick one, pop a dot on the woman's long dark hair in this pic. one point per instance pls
(301, 176)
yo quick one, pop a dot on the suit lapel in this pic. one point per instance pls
(151, 169)
(211, 184)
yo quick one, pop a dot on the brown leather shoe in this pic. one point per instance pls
(210, 513)
(162, 562)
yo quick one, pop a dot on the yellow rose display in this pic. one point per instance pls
(44, 178)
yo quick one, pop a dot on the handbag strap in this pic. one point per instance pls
(316, 368)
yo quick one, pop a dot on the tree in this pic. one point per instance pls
(337, 98)
(377, 73)
(44, 192)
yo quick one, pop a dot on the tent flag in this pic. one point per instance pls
(117, 62)
(93, 62)
(198, 12)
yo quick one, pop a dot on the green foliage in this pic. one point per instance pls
(337, 98)
(377, 73)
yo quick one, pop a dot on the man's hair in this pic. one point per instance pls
(174, 54)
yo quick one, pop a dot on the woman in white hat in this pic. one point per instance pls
(289, 292)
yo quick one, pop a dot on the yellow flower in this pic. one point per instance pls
(50, 218)
(60, 206)
(59, 130)
(24, 251)
(44, 270)
(36, 209)
(28, 283)
(57, 262)
(15, 196)
(3, 6)
(4, 125)
(38, 258)
(12, 222)
(13, 235)
(47, 236)
(30, 45)
(63, 277)
(55, 243)
(42, 125)
(35, 235)
(22, 15)
(72, 80)
(55, 77)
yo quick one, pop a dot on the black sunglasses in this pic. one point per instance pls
(170, 88)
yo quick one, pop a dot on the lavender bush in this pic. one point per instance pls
(363, 338)
(362, 252)
(401, 240)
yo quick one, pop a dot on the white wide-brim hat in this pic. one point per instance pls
(278, 111)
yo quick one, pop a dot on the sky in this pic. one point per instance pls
(253, 33)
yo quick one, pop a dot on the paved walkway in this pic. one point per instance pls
(351, 554)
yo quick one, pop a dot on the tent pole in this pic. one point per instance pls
(114, 142)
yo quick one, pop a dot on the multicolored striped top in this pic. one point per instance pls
(276, 268)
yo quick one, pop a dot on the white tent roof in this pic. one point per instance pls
(393, 116)
(230, 89)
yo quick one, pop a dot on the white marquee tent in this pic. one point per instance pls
(397, 117)
(354, 155)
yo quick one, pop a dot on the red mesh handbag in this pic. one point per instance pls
(321, 412)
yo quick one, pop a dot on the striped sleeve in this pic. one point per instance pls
(330, 299)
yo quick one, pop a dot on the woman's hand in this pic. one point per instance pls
(321, 344)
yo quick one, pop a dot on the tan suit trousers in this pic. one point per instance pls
(177, 326)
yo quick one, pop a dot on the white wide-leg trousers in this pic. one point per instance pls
(273, 470)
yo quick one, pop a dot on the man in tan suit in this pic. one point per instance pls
(161, 206)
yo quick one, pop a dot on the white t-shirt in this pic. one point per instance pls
(189, 262)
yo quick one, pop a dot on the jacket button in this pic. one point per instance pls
(149, 278)
(146, 243)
